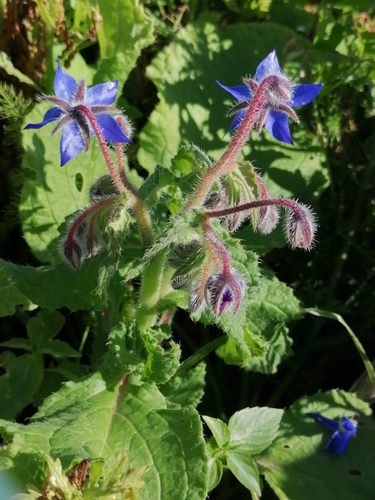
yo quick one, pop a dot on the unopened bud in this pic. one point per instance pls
(300, 227)
(268, 215)
(125, 125)
(71, 252)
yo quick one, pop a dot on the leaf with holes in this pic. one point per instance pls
(296, 465)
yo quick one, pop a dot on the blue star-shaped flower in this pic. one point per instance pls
(70, 101)
(275, 111)
(343, 431)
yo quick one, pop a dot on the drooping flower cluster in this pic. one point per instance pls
(240, 193)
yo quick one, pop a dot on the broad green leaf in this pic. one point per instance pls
(296, 462)
(52, 193)
(124, 31)
(186, 387)
(95, 420)
(11, 296)
(245, 469)
(44, 326)
(18, 344)
(23, 379)
(269, 305)
(53, 287)
(253, 429)
(192, 106)
(219, 430)
(58, 349)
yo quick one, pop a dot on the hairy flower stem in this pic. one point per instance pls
(139, 207)
(215, 247)
(228, 161)
(291, 204)
(104, 148)
(86, 213)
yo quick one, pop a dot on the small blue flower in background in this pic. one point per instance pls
(343, 431)
(76, 128)
(275, 112)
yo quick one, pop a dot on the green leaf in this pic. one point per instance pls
(295, 463)
(44, 326)
(53, 287)
(53, 193)
(215, 467)
(11, 296)
(245, 470)
(124, 31)
(58, 349)
(269, 305)
(253, 429)
(95, 420)
(186, 387)
(18, 344)
(23, 379)
(219, 430)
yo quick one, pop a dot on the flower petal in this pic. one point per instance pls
(237, 119)
(339, 441)
(348, 424)
(331, 424)
(305, 93)
(277, 125)
(111, 130)
(269, 65)
(240, 92)
(51, 115)
(65, 86)
(71, 143)
(102, 94)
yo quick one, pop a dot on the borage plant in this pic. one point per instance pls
(131, 427)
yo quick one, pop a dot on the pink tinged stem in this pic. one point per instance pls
(228, 160)
(111, 166)
(139, 207)
(216, 245)
(87, 213)
(300, 227)
(140, 210)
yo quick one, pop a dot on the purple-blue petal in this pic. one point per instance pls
(339, 441)
(240, 92)
(305, 93)
(50, 116)
(71, 143)
(237, 119)
(103, 94)
(348, 424)
(331, 424)
(277, 125)
(269, 65)
(64, 86)
(111, 130)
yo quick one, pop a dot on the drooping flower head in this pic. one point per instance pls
(223, 290)
(281, 97)
(343, 431)
(74, 105)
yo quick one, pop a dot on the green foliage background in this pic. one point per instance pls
(66, 344)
